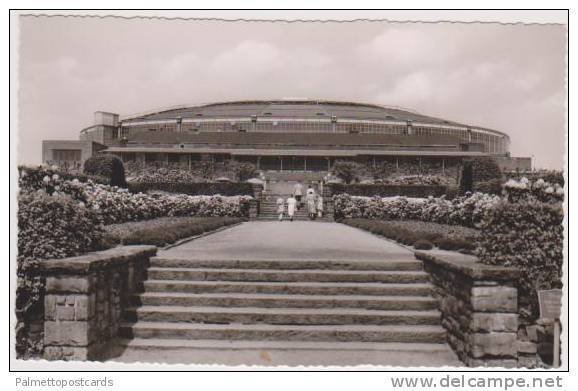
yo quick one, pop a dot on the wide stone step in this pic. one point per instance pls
(304, 217)
(290, 264)
(281, 316)
(146, 343)
(286, 301)
(207, 274)
(291, 353)
(266, 332)
(295, 218)
(298, 288)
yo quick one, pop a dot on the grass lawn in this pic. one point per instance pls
(163, 231)
(422, 235)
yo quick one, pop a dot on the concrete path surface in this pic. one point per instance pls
(291, 240)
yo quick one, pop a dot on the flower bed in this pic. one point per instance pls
(116, 205)
(526, 190)
(466, 211)
(164, 230)
(388, 190)
(60, 215)
(190, 188)
(447, 237)
(33, 178)
(162, 175)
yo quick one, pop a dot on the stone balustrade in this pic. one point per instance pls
(86, 297)
(479, 306)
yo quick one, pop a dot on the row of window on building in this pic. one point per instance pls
(495, 144)
(285, 163)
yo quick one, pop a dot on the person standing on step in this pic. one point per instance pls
(280, 207)
(298, 193)
(291, 205)
(319, 206)
(311, 199)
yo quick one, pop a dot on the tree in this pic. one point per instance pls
(242, 170)
(348, 171)
(384, 170)
(204, 169)
(485, 169)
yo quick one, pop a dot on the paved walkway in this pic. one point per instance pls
(291, 240)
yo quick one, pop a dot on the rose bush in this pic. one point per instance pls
(527, 190)
(61, 216)
(116, 205)
(466, 210)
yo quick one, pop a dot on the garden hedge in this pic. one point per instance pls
(385, 190)
(207, 188)
(30, 178)
(49, 227)
(528, 235)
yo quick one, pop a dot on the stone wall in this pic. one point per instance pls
(479, 306)
(86, 297)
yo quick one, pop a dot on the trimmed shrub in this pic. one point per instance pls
(33, 178)
(116, 205)
(387, 190)
(466, 211)
(108, 166)
(207, 188)
(550, 176)
(526, 190)
(423, 244)
(55, 227)
(147, 174)
(527, 235)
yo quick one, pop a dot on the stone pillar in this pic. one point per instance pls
(479, 306)
(85, 299)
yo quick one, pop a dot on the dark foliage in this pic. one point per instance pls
(467, 179)
(108, 166)
(348, 171)
(527, 235)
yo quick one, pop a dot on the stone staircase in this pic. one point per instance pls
(268, 210)
(322, 307)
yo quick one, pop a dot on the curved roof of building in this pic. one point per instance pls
(296, 108)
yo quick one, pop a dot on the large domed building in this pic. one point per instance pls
(285, 135)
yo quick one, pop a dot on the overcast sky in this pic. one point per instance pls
(506, 77)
